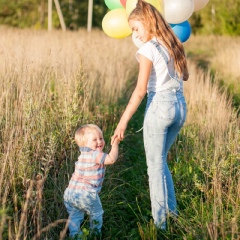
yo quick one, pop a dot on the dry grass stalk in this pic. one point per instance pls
(47, 228)
(24, 215)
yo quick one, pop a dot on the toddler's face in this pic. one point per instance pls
(95, 140)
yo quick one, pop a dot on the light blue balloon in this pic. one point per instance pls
(182, 30)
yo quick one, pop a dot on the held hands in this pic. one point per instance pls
(118, 134)
(115, 141)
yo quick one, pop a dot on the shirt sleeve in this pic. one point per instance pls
(146, 50)
(99, 157)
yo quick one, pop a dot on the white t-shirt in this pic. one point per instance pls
(161, 77)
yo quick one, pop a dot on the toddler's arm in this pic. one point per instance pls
(113, 155)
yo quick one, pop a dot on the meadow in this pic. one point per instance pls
(51, 83)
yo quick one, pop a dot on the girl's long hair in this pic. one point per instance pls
(157, 26)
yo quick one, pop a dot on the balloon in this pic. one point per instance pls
(115, 23)
(138, 43)
(131, 4)
(113, 4)
(177, 11)
(199, 4)
(123, 2)
(182, 30)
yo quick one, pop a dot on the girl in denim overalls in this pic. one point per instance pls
(162, 69)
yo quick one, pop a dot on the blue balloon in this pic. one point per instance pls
(182, 30)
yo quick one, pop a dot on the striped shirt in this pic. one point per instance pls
(89, 171)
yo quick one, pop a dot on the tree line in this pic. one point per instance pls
(218, 17)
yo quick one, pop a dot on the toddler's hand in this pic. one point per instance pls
(115, 141)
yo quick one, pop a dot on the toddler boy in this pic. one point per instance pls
(82, 194)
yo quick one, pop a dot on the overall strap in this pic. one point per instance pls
(157, 45)
(160, 50)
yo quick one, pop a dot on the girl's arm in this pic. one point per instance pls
(145, 67)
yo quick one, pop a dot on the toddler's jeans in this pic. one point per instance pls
(80, 202)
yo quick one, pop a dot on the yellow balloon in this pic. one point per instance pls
(115, 23)
(131, 4)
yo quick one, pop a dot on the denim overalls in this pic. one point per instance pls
(164, 117)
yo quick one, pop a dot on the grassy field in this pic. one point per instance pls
(51, 83)
(220, 56)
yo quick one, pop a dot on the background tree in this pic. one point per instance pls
(33, 13)
(218, 17)
(75, 13)
(22, 13)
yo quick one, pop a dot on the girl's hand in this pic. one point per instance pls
(116, 141)
(118, 133)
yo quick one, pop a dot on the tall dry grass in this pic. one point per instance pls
(219, 53)
(209, 107)
(51, 83)
(210, 142)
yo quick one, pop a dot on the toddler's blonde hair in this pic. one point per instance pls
(81, 135)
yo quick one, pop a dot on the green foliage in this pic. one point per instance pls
(196, 23)
(222, 18)
(218, 17)
(20, 14)
(75, 13)
(34, 13)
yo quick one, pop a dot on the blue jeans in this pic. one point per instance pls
(164, 117)
(79, 203)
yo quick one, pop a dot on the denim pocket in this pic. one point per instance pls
(165, 110)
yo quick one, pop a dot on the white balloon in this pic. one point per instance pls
(138, 43)
(199, 4)
(178, 11)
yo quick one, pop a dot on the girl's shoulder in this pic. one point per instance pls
(146, 46)
(147, 50)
